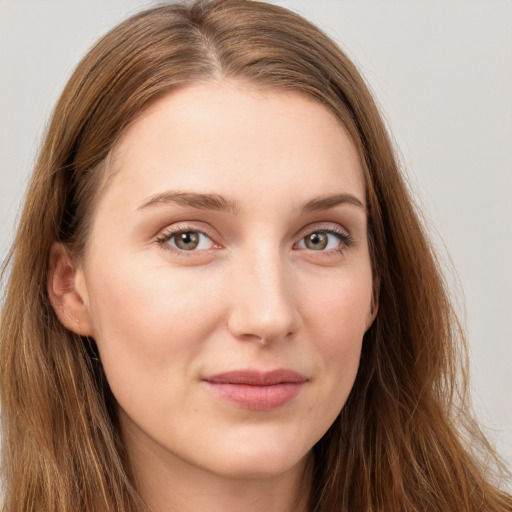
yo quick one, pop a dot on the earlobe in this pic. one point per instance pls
(67, 291)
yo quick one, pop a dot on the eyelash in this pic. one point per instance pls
(162, 239)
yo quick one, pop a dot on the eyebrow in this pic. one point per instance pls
(216, 202)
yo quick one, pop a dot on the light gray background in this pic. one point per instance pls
(442, 73)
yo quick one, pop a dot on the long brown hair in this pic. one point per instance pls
(401, 443)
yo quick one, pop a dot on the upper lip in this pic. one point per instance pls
(257, 377)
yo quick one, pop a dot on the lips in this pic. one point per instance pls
(256, 390)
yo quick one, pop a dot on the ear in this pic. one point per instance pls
(374, 305)
(374, 309)
(68, 292)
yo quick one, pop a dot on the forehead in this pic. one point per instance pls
(232, 139)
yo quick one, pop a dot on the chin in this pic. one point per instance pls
(259, 462)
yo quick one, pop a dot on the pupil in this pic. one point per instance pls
(188, 240)
(317, 241)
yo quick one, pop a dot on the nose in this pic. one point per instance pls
(264, 301)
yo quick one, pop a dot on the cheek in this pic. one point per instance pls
(146, 319)
(338, 314)
(339, 306)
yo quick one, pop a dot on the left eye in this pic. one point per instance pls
(320, 240)
(188, 240)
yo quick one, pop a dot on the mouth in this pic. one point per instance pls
(255, 390)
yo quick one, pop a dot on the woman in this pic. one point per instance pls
(229, 302)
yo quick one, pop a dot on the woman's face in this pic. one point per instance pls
(227, 278)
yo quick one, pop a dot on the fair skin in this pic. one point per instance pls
(263, 287)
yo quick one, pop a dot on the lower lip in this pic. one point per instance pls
(257, 398)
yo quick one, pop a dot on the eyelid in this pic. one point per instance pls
(323, 227)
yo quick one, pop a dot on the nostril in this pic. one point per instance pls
(253, 324)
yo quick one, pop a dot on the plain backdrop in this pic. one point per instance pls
(442, 74)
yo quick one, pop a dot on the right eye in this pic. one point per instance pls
(185, 240)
